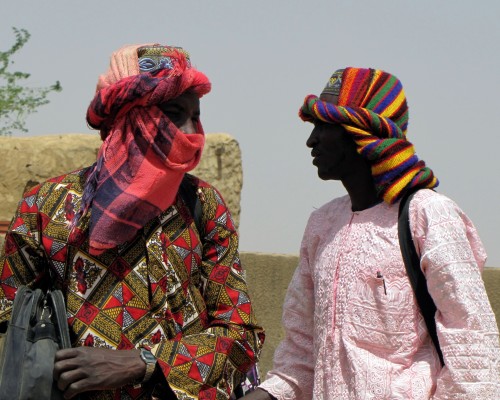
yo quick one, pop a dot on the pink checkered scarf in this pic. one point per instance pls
(144, 156)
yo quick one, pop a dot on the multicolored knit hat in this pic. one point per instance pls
(372, 108)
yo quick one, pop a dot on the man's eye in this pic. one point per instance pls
(173, 113)
(174, 116)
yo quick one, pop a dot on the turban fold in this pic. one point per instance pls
(372, 108)
(144, 156)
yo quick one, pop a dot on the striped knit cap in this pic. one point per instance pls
(372, 108)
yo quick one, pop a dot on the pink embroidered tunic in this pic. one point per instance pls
(353, 329)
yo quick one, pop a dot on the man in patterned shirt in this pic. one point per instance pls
(353, 326)
(157, 302)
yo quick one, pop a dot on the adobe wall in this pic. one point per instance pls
(31, 160)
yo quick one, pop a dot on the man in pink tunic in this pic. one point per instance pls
(353, 326)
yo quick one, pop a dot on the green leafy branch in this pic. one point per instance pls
(17, 101)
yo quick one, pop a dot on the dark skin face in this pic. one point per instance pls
(334, 152)
(336, 158)
(183, 111)
(81, 369)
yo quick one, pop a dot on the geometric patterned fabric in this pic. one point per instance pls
(182, 296)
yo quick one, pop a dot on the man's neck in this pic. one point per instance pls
(361, 190)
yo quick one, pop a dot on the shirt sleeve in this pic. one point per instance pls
(293, 370)
(211, 362)
(23, 260)
(452, 258)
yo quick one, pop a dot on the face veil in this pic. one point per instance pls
(144, 156)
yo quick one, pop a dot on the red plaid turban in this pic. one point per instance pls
(144, 155)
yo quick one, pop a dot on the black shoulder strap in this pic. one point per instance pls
(188, 192)
(415, 274)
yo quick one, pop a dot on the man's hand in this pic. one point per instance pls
(82, 369)
(258, 394)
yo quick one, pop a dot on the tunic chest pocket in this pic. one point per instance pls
(381, 318)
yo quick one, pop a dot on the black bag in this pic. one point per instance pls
(415, 274)
(37, 329)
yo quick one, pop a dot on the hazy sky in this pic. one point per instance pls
(263, 57)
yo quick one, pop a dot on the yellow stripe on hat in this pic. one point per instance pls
(399, 185)
(376, 75)
(393, 107)
(355, 129)
(355, 120)
(358, 131)
(394, 161)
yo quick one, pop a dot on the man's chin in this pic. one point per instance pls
(323, 176)
(326, 176)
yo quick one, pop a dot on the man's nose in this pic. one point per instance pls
(188, 127)
(312, 140)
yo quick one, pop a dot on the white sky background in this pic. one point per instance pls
(263, 57)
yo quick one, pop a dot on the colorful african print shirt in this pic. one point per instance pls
(179, 293)
(353, 327)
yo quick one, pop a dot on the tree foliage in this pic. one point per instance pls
(18, 101)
